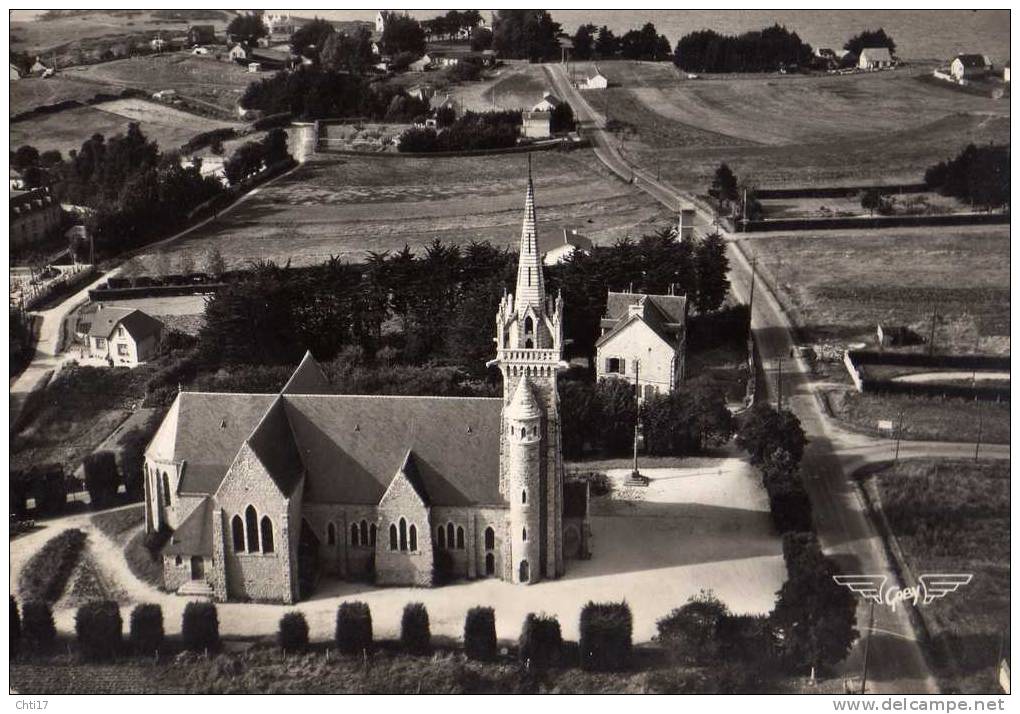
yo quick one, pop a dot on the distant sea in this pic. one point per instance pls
(919, 34)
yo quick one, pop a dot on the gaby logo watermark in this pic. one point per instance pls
(930, 587)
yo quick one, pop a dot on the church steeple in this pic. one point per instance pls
(530, 289)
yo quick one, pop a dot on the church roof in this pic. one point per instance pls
(308, 378)
(523, 404)
(273, 443)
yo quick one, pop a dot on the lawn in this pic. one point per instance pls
(118, 524)
(32, 92)
(349, 206)
(67, 130)
(839, 285)
(953, 517)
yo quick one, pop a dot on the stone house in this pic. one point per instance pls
(968, 67)
(124, 337)
(644, 339)
(262, 495)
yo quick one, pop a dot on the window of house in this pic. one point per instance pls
(615, 365)
(122, 350)
(166, 488)
(267, 535)
(120, 331)
(403, 534)
(449, 534)
(413, 538)
(100, 343)
(251, 527)
(237, 531)
(650, 391)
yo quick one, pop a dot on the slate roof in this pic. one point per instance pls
(972, 61)
(273, 443)
(666, 315)
(104, 320)
(308, 378)
(876, 54)
(194, 535)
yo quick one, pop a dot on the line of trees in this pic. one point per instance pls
(472, 131)
(252, 157)
(977, 175)
(526, 34)
(767, 50)
(591, 42)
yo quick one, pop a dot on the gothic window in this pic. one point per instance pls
(490, 564)
(460, 538)
(393, 537)
(413, 537)
(524, 496)
(490, 539)
(534, 431)
(237, 531)
(371, 534)
(251, 527)
(364, 532)
(354, 534)
(267, 535)
(529, 344)
(449, 534)
(330, 534)
(403, 534)
(441, 537)
(524, 573)
(529, 325)
(166, 488)
(524, 534)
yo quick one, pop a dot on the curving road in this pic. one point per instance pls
(896, 663)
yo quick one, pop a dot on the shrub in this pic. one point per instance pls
(606, 629)
(293, 634)
(353, 627)
(414, 629)
(147, 628)
(540, 642)
(690, 633)
(45, 575)
(99, 628)
(101, 478)
(480, 633)
(200, 626)
(37, 628)
(15, 627)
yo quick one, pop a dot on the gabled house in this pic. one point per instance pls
(875, 58)
(644, 339)
(967, 67)
(38, 68)
(124, 337)
(596, 81)
(558, 248)
(201, 35)
(237, 53)
(547, 104)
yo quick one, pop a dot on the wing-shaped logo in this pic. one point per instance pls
(867, 586)
(938, 585)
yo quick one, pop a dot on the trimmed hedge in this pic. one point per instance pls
(147, 628)
(45, 575)
(200, 627)
(353, 628)
(415, 635)
(99, 628)
(480, 633)
(37, 628)
(272, 121)
(14, 624)
(540, 642)
(828, 224)
(206, 138)
(101, 477)
(293, 634)
(605, 643)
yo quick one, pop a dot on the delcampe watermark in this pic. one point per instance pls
(930, 587)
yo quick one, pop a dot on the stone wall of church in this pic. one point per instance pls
(407, 566)
(339, 554)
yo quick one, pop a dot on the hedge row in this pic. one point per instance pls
(216, 204)
(45, 576)
(272, 121)
(836, 191)
(98, 98)
(207, 138)
(829, 224)
(899, 359)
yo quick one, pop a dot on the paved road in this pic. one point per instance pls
(896, 663)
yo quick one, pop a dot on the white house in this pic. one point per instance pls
(597, 81)
(966, 67)
(123, 337)
(644, 338)
(254, 67)
(875, 58)
(165, 95)
(237, 52)
(200, 51)
(557, 248)
(548, 103)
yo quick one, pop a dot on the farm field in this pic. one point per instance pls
(953, 517)
(31, 92)
(904, 204)
(839, 285)
(348, 206)
(792, 130)
(513, 85)
(67, 130)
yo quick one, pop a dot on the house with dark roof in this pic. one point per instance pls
(644, 340)
(967, 67)
(123, 337)
(262, 495)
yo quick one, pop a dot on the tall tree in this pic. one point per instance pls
(713, 269)
(353, 52)
(607, 45)
(309, 39)
(403, 34)
(584, 41)
(870, 38)
(247, 28)
(526, 34)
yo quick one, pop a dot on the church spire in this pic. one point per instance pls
(530, 289)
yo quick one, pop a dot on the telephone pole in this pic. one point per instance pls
(867, 646)
(750, 299)
(977, 446)
(636, 478)
(899, 434)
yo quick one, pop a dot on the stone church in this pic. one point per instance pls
(265, 494)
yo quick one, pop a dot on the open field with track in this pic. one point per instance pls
(348, 206)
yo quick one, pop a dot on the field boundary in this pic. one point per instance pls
(824, 224)
(855, 359)
(562, 144)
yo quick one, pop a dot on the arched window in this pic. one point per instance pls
(524, 496)
(251, 527)
(267, 535)
(166, 488)
(441, 538)
(524, 573)
(490, 564)
(529, 325)
(364, 532)
(529, 344)
(371, 534)
(330, 534)
(490, 539)
(393, 537)
(460, 538)
(524, 534)
(354, 534)
(449, 534)
(237, 531)
(403, 534)
(413, 537)
(534, 430)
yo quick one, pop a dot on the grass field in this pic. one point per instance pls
(905, 204)
(840, 285)
(512, 85)
(67, 130)
(802, 130)
(953, 517)
(348, 206)
(32, 92)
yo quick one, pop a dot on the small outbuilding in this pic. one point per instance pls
(970, 66)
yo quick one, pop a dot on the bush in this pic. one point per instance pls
(98, 626)
(37, 628)
(540, 642)
(480, 633)
(147, 628)
(15, 627)
(414, 629)
(272, 121)
(353, 628)
(293, 634)
(45, 575)
(605, 643)
(200, 627)
(691, 633)
(101, 478)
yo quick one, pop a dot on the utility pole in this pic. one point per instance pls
(867, 646)
(977, 446)
(899, 434)
(635, 475)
